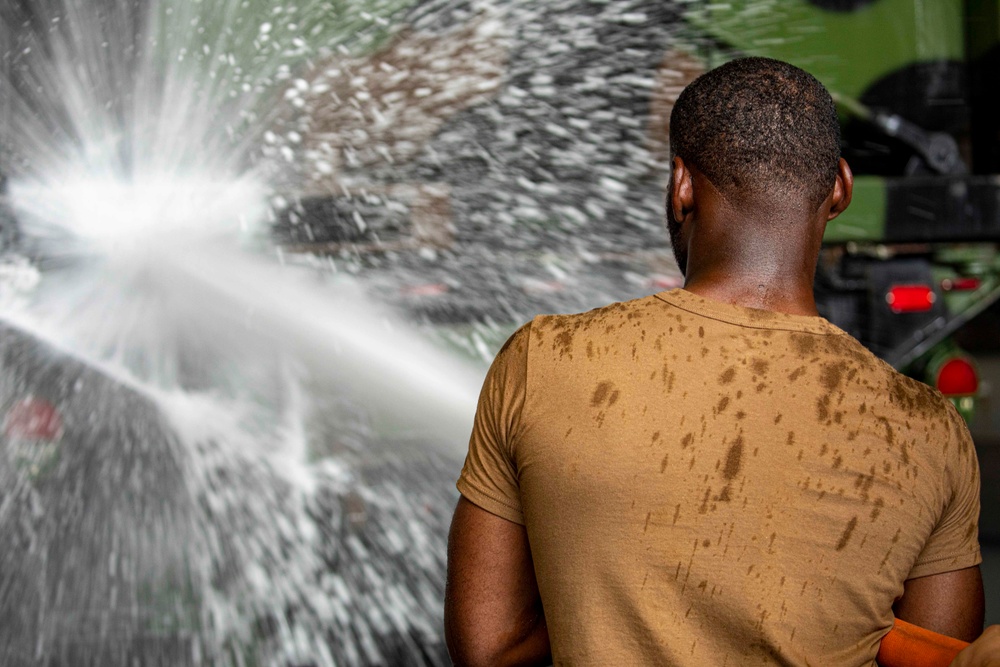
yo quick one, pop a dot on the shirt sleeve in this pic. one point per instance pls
(489, 477)
(954, 543)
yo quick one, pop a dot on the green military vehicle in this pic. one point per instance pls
(915, 257)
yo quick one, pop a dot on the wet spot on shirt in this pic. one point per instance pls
(911, 395)
(890, 439)
(727, 375)
(759, 367)
(687, 440)
(846, 535)
(734, 459)
(877, 509)
(704, 501)
(668, 377)
(803, 344)
(723, 404)
(563, 342)
(701, 332)
(796, 374)
(664, 463)
(823, 408)
(832, 375)
(864, 483)
(888, 553)
(759, 315)
(600, 393)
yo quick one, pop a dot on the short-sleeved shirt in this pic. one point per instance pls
(707, 484)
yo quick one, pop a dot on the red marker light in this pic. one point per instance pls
(957, 377)
(33, 419)
(960, 284)
(910, 298)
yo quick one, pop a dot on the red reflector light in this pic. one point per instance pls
(960, 284)
(910, 298)
(957, 377)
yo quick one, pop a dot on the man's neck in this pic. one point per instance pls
(765, 263)
(778, 293)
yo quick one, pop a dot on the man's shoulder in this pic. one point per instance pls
(913, 395)
(594, 334)
(617, 311)
(907, 408)
(902, 391)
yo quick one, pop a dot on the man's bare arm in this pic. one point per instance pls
(950, 603)
(492, 610)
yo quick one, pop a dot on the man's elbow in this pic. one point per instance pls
(485, 656)
(475, 655)
(470, 647)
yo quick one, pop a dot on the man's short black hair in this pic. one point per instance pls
(757, 126)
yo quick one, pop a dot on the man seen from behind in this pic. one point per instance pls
(715, 475)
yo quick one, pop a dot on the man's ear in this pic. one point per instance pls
(843, 190)
(681, 191)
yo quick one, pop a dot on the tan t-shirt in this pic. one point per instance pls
(705, 484)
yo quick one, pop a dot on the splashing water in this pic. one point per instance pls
(207, 458)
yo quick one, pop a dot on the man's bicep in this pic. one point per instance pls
(945, 590)
(489, 477)
(493, 612)
(950, 603)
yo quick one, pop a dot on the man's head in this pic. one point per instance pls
(762, 132)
